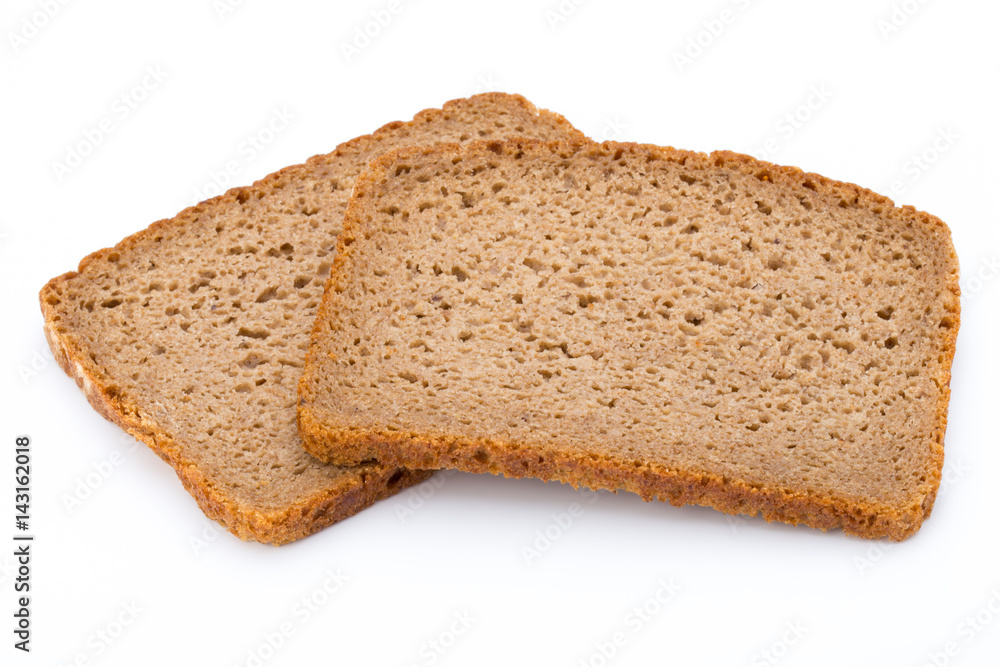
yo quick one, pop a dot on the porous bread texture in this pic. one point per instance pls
(705, 329)
(191, 334)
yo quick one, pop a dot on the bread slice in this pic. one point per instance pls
(191, 335)
(696, 328)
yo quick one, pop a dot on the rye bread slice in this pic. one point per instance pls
(695, 328)
(191, 334)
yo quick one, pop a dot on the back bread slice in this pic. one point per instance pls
(191, 335)
(695, 328)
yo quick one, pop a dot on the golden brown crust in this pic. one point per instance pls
(372, 481)
(329, 440)
(678, 487)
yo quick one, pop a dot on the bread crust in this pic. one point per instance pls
(369, 483)
(328, 438)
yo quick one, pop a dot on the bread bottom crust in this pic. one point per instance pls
(649, 481)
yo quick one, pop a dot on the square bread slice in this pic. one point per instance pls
(191, 334)
(695, 328)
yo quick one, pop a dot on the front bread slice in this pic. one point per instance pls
(696, 328)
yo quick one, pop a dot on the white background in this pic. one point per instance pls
(928, 88)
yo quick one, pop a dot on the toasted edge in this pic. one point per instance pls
(328, 440)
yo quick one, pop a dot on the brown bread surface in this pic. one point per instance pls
(695, 328)
(191, 334)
